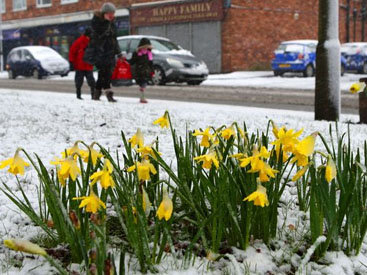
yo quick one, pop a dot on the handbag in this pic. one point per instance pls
(121, 75)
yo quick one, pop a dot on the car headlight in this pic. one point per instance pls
(175, 63)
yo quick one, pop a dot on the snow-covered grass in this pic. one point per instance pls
(47, 123)
(257, 79)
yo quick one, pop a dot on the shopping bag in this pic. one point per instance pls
(121, 75)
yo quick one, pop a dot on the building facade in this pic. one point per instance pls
(228, 35)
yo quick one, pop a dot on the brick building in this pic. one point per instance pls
(228, 35)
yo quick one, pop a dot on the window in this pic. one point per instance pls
(123, 44)
(2, 3)
(133, 45)
(19, 5)
(43, 3)
(68, 1)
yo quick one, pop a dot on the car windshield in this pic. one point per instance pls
(164, 45)
(44, 53)
(290, 48)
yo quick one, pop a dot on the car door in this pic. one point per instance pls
(15, 62)
(29, 62)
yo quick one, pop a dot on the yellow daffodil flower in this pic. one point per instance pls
(74, 150)
(300, 173)
(330, 170)
(166, 207)
(69, 167)
(304, 149)
(357, 87)
(94, 154)
(275, 129)
(144, 169)
(259, 197)
(25, 246)
(137, 139)
(92, 203)
(287, 140)
(147, 151)
(16, 164)
(238, 156)
(208, 160)
(207, 137)
(228, 132)
(163, 121)
(146, 203)
(104, 176)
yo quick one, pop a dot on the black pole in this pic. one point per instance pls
(354, 23)
(347, 9)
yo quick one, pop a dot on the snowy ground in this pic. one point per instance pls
(255, 79)
(47, 123)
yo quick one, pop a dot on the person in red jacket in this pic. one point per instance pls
(81, 68)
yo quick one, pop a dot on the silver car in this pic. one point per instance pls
(171, 62)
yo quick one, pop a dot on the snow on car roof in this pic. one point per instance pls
(354, 44)
(32, 48)
(141, 36)
(300, 41)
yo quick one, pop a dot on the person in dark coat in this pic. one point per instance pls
(143, 61)
(82, 69)
(104, 39)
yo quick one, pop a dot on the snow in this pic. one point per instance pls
(47, 123)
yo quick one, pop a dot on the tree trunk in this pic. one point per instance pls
(327, 93)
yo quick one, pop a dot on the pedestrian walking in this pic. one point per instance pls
(104, 48)
(143, 61)
(82, 69)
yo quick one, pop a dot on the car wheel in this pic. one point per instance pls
(342, 70)
(278, 73)
(11, 74)
(309, 71)
(194, 82)
(36, 74)
(159, 77)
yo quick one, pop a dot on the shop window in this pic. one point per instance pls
(19, 5)
(68, 1)
(43, 3)
(2, 3)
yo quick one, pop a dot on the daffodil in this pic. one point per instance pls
(208, 160)
(330, 170)
(228, 133)
(207, 137)
(163, 121)
(74, 150)
(25, 246)
(16, 164)
(166, 207)
(137, 139)
(287, 140)
(69, 167)
(238, 156)
(91, 203)
(357, 87)
(104, 176)
(304, 149)
(92, 153)
(259, 197)
(146, 203)
(144, 169)
(147, 151)
(300, 173)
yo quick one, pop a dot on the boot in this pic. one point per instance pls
(79, 93)
(142, 97)
(96, 94)
(92, 91)
(109, 95)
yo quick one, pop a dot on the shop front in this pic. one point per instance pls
(194, 25)
(58, 36)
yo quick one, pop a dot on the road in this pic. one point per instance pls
(244, 96)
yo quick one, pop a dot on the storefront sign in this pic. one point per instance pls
(188, 11)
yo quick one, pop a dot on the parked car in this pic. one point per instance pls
(298, 56)
(355, 54)
(36, 61)
(171, 62)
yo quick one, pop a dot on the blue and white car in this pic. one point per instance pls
(36, 61)
(355, 54)
(297, 56)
